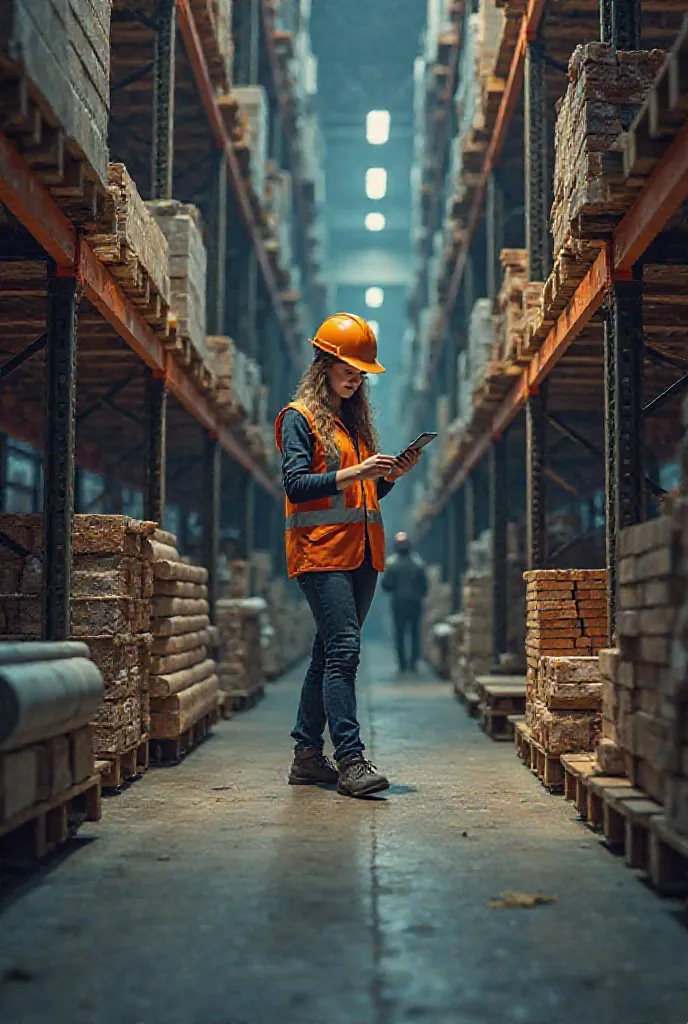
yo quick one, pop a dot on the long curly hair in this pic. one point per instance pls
(314, 391)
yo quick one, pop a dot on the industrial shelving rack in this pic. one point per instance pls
(610, 298)
(80, 320)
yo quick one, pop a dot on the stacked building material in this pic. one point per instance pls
(213, 19)
(48, 694)
(182, 226)
(279, 211)
(652, 586)
(438, 606)
(566, 621)
(137, 252)
(238, 378)
(183, 681)
(605, 92)
(55, 56)
(615, 716)
(253, 103)
(240, 622)
(509, 322)
(110, 607)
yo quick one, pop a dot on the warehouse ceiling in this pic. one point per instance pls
(366, 52)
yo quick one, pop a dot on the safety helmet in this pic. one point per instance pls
(350, 338)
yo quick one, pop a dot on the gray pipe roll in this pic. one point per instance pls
(11, 654)
(46, 698)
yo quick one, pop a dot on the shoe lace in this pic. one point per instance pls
(362, 767)
(324, 762)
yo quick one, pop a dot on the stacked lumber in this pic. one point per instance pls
(437, 608)
(182, 226)
(213, 19)
(48, 694)
(254, 108)
(240, 622)
(651, 591)
(137, 252)
(55, 82)
(591, 194)
(509, 321)
(183, 680)
(566, 619)
(279, 213)
(238, 378)
(615, 716)
(110, 610)
(292, 629)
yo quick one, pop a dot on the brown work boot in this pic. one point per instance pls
(358, 777)
(312, 768)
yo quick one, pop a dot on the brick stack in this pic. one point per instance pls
(615, 712)
(240, 622)
(509, 323)
(566, 628)
(651, 590)
(111, 590)
(183, 682)
(605, 92)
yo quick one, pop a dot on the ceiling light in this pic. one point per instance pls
(374, 297)
(377, 127)
(375, 221)
(374, 326)
(376, 182)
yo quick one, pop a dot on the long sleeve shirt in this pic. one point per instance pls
(300, 483)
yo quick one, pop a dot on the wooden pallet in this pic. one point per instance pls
(577, 769)
(225, 705)
(668, 858)
(501, 698)
(245, 699)
(117, 771)
(167, 752)
(547, 767)
(36, 831)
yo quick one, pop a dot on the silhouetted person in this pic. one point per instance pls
(406, 582)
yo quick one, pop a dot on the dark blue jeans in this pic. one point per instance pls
(340, 602)
(407, 615)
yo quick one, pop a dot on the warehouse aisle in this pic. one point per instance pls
(215, 894)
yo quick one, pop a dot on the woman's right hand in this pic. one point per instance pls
(375, 466)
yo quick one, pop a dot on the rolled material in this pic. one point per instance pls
(46, 698)
(18, 653)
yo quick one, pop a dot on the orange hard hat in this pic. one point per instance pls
(350, 338)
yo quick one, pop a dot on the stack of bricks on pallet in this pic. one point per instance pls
(183, 681)
(239, 621)
(58, 55)
(112, 584)
(509, 321)
(567, 620)
(182, 226)
(606, 90)
(44, 754)
(651, 590)
(137, 253)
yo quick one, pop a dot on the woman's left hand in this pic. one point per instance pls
(403, 465)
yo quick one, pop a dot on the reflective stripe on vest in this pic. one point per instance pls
(332, 517)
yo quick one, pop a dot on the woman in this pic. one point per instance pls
(334, 480)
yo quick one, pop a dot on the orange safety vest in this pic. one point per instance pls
(329, 534)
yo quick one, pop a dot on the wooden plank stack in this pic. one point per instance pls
(509, 322)
(110, 605)
(253, 103)
(182, 226)
(238, 378)
(566, 628)
(240, 668)
(55, 59)
(607, 88)
(137, 253)
(651, 591)
(183, 682)
(213, 20)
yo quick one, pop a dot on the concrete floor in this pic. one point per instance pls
(213, 893)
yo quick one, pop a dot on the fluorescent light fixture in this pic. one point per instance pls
(374, 326)
(375, 221)
(376, 182)
(374, 297)
(377, 127)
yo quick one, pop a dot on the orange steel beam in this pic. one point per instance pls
(30, 202)
(665, 191)
(194, 51)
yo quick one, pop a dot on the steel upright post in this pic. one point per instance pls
(536, 498)
(626, 18)
(498, 526)
(156, 448)
(60, 434)
(164, 42)
(624, 429)
(537, 160)
(212, 497)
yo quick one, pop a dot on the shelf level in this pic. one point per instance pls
(25, 196)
